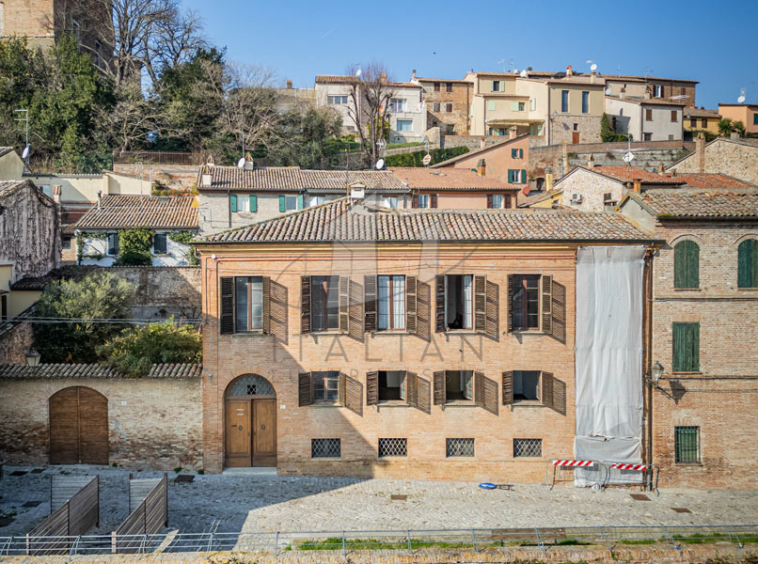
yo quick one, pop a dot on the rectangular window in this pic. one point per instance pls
(448, 87)
(585, 102)
(704, 123)
(290, 203)
(456, 448)
(458, 302)
(337, 100)
(674, 116)
(755, 118)
(647, 136)
(3, 308)
(393, 448)
(391, 302)
(423, 201)
(248, 303)
(648, 114)
(525, 302)
(693, 122)
(496, 86)
(326, 386)
(66, 243)
(436, 86)
(526, 385)
(392, 385)
(687, 445)
(160, 244)
(398, 105)
(436, 107)
(459, 385)
(564, 101)
(324, 303)
(112, 244)
(657, 91)
(405, 125)
(686, 344)
(449, 107)
(522, 106)
(527, 448)
(497, 201)
(326, 448)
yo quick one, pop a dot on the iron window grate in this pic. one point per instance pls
(687, 445)
(527, 448)
(325, 448)
(393, 447)
(460, 447)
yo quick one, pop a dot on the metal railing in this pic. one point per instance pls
(282, 544)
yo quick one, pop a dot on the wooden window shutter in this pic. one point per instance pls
(282, 203)
(266, 305)
(558, 310)
(479, 388)
(521, 153)
(440, 304)
(686, 265)
(547, 304)
(559, 396)
(414, 201)
(507, 201)
(546, 381)
(489, 201)
(508, 387)
(344, 304)
(233, 202)
(523, 176)
(341, 389)
(411, 389)
(663, 91)
(353, 394)
(747, 264)
(305, 304)
(304, 389)
(411, 304)
(421, 391)
(370, 303)
(226, 325)
(480, 304)
(372, 388)
(439, 388)
(253, 203)
(514, 153)
(356, 313)
(485, 392)
(433, 201)
(686, 354)
(673, 116)
(492, 312)
(511, 291)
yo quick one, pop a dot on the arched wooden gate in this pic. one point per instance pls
(250, 422)
(78, 427)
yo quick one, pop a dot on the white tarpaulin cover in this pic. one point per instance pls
(608, 361)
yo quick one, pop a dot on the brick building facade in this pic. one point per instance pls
(427, 387)
(735, 157)
(448, 104)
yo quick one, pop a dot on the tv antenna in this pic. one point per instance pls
(741, 99)
(24, 116)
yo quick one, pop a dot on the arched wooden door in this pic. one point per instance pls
(250, 422)
(78, 427)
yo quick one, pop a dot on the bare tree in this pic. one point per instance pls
(369, 105)
(130, 121)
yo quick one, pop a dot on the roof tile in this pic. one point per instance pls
(60, 371)
(128, 212)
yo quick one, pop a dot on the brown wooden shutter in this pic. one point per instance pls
(559, 312)
(344, 303)
(414, 201)
(508, 387)
(411, 389)
(493, 310)
(479, 388)
(372, 388)
(547, 304)
(64, 427)
(559, 396)
(305, 304)
(93, 427)
(507, 201)
(411, 304)
(355, 312)
(546, 380)
(490, 204)
(341, 389)
(226, 316)
(440, 304)
(433, 201)
(509, 311)
(304, 389)
(370, 303)
(439, 388)
(489, 395)
(353, 394)
(266, 305)
(480, 304)
(423, 393)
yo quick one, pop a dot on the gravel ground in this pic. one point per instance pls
(232, 503)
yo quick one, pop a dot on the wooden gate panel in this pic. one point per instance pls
(264, 432)
(237, 429)
(93, 427)
(64, 427)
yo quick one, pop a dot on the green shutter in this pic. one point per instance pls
(253, 203)
(747, 264)
(282, 204)
(510, 176)
(300, 201)
(514, 153)
(686, 353)
(523, 177)
(686, 265)
(521, 153)
(514, 106)
(233, 202)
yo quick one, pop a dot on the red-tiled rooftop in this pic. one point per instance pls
(449, 179)
(129, 212)
(688, 203)
(630, 174)
(713, 181)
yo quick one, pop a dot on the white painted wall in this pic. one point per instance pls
(177, 254)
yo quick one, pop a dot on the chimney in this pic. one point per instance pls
(513, 132)
(99, 199)
(57, 193)
(566, 164)
(548, 181)
(660, 169)
(289, 84)
(383, 77)
(622, 93)
(206, 179)
(249, 165)
(734, 136)
(414, 75)
(481, 168)
(593, 74)
(591, 162)
(638, 185)
(569, 71)
(700, 153)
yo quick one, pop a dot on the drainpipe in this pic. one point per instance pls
(647, 346)
(229, 206)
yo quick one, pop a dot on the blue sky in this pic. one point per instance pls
(712, 42)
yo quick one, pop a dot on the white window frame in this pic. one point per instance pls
(495, 200)
(424, 198)
(468, 302)
(390, 304)
(408, 121)
(287, 198)
(399, 105)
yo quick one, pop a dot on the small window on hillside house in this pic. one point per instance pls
(648, 114)
(704, 123)
(458, 302)
(392, 385)
(686, 347)
(112, 244)
(658, 91)
(449, 107)
(496, 86)
(686, 265)
(674, 116)
(687, 445)
(337, 100)
(585, 102)
(160, 243)
(747, 264)
(693, 122)
(526, 385)
(755, 118)
(497, 201)
(391, 302)
(66, 243)
(423, 201)
(564, 101)
(248, 294)
(448, 87)
(290, 202)
(436, 86)
(525, 302)
(405, 125)
(324, 303)
(436, 107)
(647, 136)
(398, 105)
(325, 386)
(459, 385)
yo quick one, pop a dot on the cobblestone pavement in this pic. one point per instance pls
(232, 503)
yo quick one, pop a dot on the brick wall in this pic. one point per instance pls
(565, 126)
(152, 422)
(726, 157)
(229, 356)
(460, 98)
(723, 398)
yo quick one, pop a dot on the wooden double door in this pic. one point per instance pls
(250, 430)
(78, 427)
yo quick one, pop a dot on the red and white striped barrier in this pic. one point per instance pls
(574, 463)
(635, 467)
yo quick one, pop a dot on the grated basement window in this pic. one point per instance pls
(527, 448)
(687, 445)
(393, 447)
(325, 448)
(460, 447)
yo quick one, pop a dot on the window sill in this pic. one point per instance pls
(459, 403)
(690, 464)
(683, 373)
(389, 332)
(326, 458)
(527, 332)
(687, 290)
(528, 403)
(325, 405)
(461, 332)
(398, 403)
(752, 289)
(250, 334)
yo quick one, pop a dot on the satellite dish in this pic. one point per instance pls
(241, 163)
(608, 91)
(593, 67)
(358, 72)
(380, 164)
(25, 152)
(524, 74)
(741, 99)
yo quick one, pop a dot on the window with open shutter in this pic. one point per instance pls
(440, 395)
(266, 304)
(480, 304)
(411, 304)
(418, 392)
(344, 304)
(304, 389)
(686, 265)
(305, 304)
(485, 392)
(686, 345)
(547, 304)
(370, 303)
(353, 394)
(233, 206)
(433, 201)
(372, 388)
(253, 203)
(226, 315)
(747, 264)
(440, 304)
(508, 388)
(546, 389)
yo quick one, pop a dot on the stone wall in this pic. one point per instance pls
(736, 159)
(15, 342)
(153, 423)
(471, 141)
(459, 100)
(592, 187)
(565, 126)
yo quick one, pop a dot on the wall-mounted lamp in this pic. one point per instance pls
(32, 358)
(657, 372)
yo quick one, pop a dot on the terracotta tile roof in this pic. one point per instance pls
(713, 181)
(5, 150)
(448, 179)
(452, 160)
(61, 371)
(6, 185)
(127, 212)
(693, 112)
(688, 203)
(629, 174)
(335, 179)
(336, 221)
(275, 179)
(336, 79)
